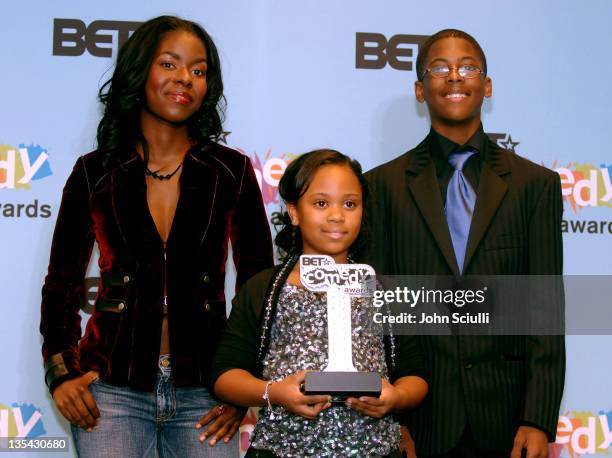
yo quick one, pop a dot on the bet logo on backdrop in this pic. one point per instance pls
(71, 37)
(373, 51)
(504, 140)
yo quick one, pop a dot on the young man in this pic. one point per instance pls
(458, 204)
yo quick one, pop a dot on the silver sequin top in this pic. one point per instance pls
(299, 341)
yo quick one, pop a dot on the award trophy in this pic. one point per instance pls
(340, 378)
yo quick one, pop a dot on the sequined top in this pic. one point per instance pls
(299, 341)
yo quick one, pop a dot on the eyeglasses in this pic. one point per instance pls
(465, 71)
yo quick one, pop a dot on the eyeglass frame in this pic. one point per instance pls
(456, 68)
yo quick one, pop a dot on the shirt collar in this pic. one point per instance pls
(440, 147)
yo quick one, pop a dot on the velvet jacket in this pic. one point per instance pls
(219, 202)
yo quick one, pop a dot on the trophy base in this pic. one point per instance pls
(341, 385)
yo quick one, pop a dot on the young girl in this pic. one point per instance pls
(278, 330)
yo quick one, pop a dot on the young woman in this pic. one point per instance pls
(278, 329)
(162, 200)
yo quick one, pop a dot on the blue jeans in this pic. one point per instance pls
(136, 424)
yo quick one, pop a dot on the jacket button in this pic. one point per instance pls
(120, 306)
(207, 306)
(126, 279)
(468, 365)
(205, 278)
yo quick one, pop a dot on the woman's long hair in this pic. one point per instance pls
(295, 182)
(123, 95)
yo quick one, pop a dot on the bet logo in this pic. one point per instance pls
(71, 37)
(374, 51)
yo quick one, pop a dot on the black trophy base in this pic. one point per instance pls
(341, 385)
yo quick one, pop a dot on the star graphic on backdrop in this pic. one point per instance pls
(223, 136)
(508, 143)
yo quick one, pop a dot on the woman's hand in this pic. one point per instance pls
(287, 394)
(223, 421)
(376, 407)
(75, 402)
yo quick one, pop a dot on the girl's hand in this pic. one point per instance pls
(376, 407)
(75, 402)
(287, 393)
(223, 421)
(407, 446)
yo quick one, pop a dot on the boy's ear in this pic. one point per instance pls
(488, 88)
(293, 214)
(418, 91)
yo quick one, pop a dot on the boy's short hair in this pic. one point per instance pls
(446, 33)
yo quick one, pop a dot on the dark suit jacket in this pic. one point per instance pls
(497, 383)
(219, 202)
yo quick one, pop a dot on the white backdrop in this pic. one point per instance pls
(292, 85)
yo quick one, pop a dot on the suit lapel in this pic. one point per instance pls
(194, 207)
(424, 188)
(130, 209)
(199, 181)
(491, 191)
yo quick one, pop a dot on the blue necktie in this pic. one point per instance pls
(460, 201)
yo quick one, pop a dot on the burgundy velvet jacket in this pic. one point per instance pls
(220, 201)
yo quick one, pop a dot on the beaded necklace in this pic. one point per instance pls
(154, 174)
